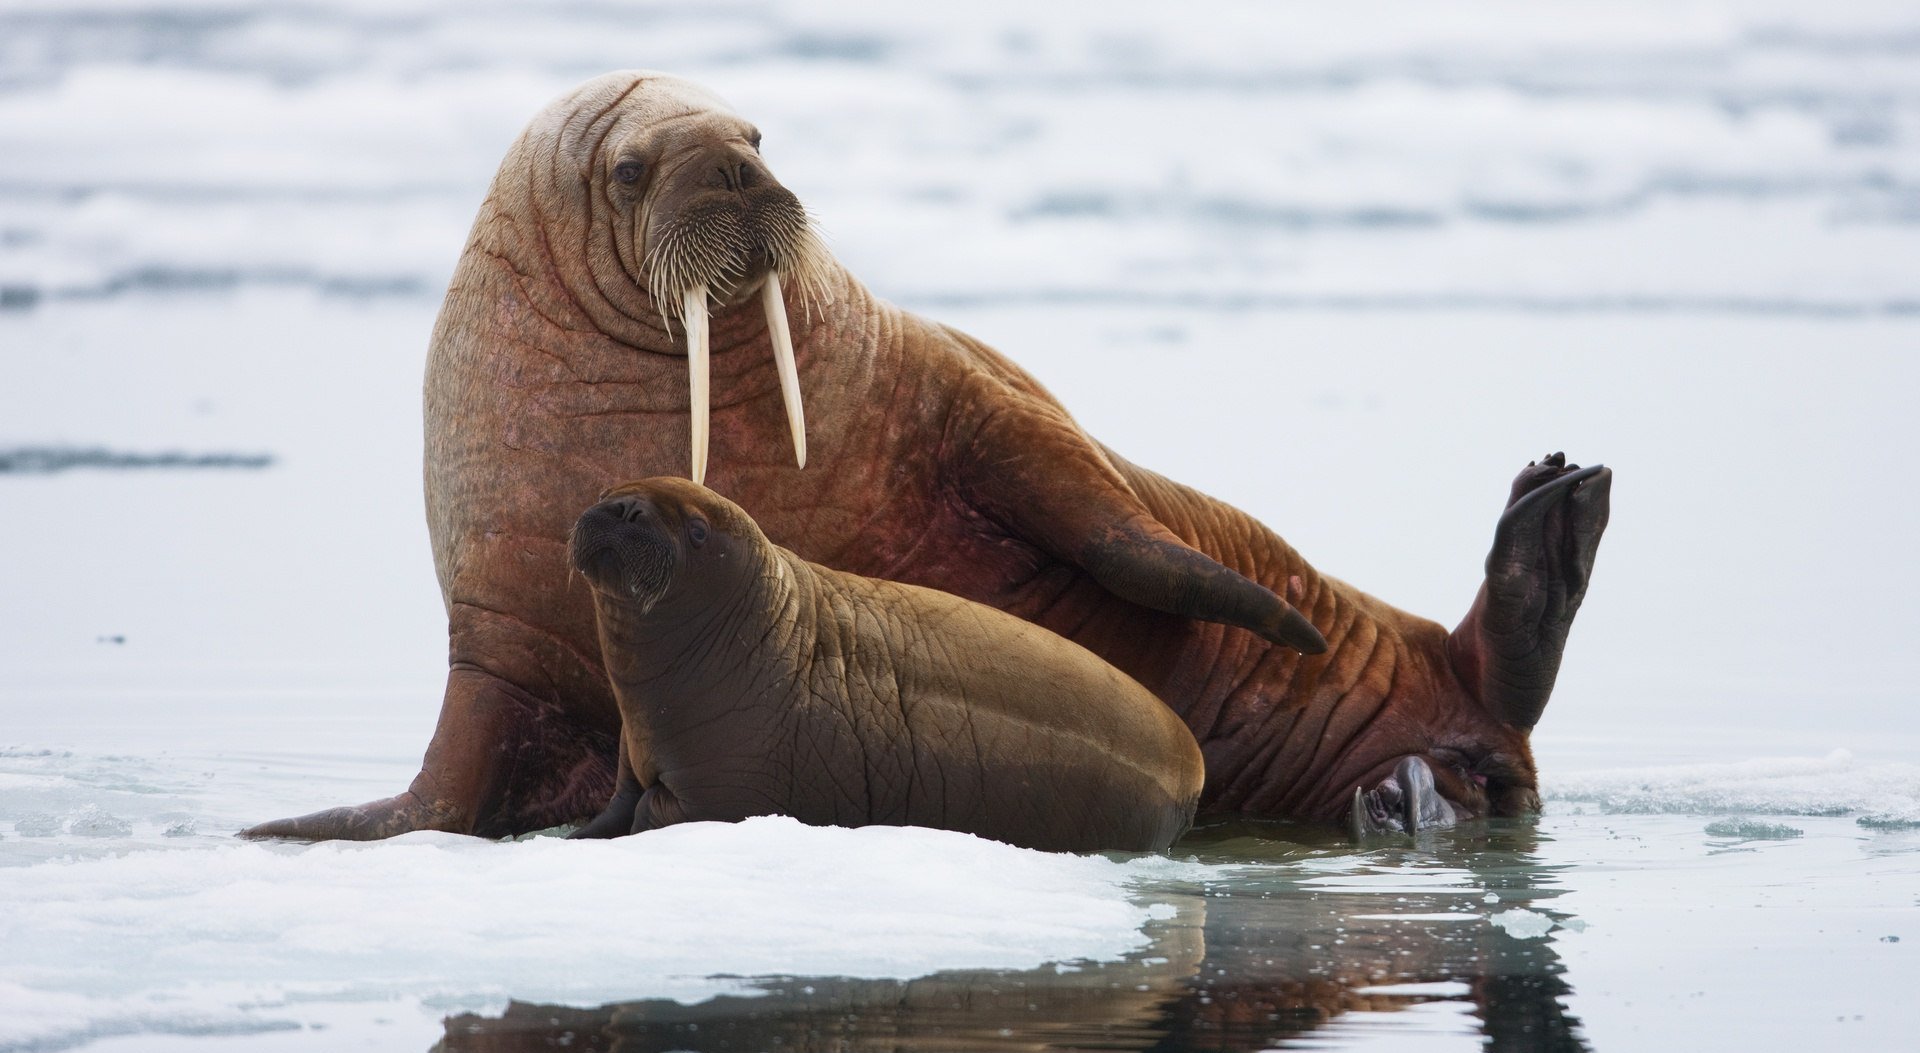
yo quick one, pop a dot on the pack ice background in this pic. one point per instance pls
(1346, 268)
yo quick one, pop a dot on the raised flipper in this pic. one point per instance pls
(1509, 646)
(1035, 472)
(501, 763)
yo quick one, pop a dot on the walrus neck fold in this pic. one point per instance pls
(652, 662)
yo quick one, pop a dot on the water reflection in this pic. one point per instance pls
(1296, 941)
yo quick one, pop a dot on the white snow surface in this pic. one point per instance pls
(241, 937)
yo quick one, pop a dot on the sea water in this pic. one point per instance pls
(1346, 269)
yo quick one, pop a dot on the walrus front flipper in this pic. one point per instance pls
(1042, 478)
(500, 763)
(1508, 648)
(1141, 561)
(617, 819)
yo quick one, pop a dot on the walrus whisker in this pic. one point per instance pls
(716, 253)
(694, 312)
(783, 361)
(808, 263)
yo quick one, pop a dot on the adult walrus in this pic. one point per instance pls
(634, 222)
(752, 682)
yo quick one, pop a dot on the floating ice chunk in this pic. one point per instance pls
(37, 824)
(93, 822)
(461, 923)
(183, 828)
(1433, 989)
(1753, 830)
(1523, 924)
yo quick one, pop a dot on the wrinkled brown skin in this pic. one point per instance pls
(934, 461)
(751, 682)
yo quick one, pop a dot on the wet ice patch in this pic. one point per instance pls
(1886, 821)
(249, 936)
(1753, 830)
(49, 1020)
(1833, 785)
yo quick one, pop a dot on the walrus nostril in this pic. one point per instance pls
(626, 509)
(730, 174)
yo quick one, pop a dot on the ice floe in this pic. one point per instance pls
(239, 936)
(1833, 785)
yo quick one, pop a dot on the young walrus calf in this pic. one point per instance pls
(752, 682)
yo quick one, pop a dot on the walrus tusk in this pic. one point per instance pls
(776, 307)
(1406, 802)
(694, 315)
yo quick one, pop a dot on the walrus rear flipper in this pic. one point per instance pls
(500, 764)
(1049, 484)
(1508, 648)
(372, 821)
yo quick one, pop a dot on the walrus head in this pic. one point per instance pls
(681, 218)
(641, 537)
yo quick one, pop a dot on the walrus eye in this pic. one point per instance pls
(628, 171)
(696, 532)
(754, 140)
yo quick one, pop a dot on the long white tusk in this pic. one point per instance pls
(694, 315)
(776, 306)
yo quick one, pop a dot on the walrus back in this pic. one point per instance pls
(1015, 734)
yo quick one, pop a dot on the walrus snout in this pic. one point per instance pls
(721, 219)
(722, 223)
(622, 546)
(1405, 802)
(732, 167)
(629, 509)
